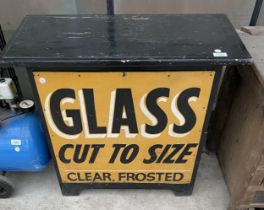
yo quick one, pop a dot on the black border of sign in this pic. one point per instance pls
(179, 189)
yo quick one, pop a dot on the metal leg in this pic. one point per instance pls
(66, 191)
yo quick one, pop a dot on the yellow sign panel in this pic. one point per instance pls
(125, 127)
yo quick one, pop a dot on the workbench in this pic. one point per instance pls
(126, 99)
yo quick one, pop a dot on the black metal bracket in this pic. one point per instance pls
(110, 7)
(255, 14)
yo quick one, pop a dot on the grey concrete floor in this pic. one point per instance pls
(41, 191)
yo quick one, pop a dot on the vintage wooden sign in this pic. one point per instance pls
(132, 127)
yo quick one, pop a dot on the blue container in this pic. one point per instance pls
(23, 145)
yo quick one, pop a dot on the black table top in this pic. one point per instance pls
(150, 39)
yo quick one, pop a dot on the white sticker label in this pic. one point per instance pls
(16, 142)
(220, 54)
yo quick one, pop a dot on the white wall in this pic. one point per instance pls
(12, 11)
(261, 17)
(238, 11)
